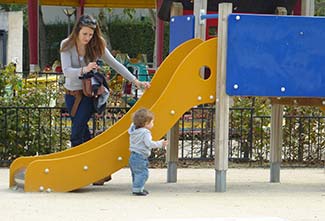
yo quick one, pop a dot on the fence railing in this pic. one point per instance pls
(40, 130)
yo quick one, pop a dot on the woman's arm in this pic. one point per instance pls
(117, 66)
(66, 64)
(121, 69)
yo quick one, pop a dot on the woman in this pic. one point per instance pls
(79, 53)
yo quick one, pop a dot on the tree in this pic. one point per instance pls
(320, 7)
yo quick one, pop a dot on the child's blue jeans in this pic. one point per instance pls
(139, 170)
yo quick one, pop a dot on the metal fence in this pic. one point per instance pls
(40, 130)
(249, 136)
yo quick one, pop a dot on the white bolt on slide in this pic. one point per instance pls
(46, 170)
(236, 86)
(85, 168)
(48, 190)
(199, 98)
(41, 188)
(237, 17)
(211, 97)
(172, 112)
(119, 158)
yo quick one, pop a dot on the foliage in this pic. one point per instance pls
(250, 131)
(8, 82)
(134, 38)
(12, 7)
(55, 34)
(302, 136)
(129, 12)
(27, 129)
(320, 8)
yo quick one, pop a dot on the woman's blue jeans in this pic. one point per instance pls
(139, 170)
(79, 128)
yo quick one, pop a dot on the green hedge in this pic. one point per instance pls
(55, 33)
(134, 38)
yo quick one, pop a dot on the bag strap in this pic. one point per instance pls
(78, 97)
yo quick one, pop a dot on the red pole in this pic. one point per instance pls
(33, 34)
(297, 8)
(80, 9)
(160, 36)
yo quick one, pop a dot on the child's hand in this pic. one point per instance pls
(165, 143)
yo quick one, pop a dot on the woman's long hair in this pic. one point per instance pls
(95, 47)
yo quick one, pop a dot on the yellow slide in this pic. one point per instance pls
(176, 87)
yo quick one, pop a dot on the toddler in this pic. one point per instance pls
(141, 144)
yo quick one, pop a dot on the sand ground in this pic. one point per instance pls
(299, 197)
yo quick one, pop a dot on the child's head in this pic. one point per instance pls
(143, 118)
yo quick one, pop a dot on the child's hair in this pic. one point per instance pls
(141, 117)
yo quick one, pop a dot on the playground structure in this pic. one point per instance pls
(274, 56)
(108, 152)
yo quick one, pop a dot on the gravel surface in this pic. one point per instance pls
(250, 197)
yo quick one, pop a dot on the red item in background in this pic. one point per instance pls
(127, 88)
(58, 69)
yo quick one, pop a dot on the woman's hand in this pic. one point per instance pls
(90, 66)
(140, 84)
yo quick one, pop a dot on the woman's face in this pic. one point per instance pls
(85, 35)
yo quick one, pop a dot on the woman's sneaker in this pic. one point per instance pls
(102, 181)
(142, 193)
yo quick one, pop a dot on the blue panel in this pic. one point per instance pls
(181, 30)
(276, 56)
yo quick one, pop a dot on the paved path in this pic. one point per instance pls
(250, 197)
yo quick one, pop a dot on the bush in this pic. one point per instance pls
(27, 129)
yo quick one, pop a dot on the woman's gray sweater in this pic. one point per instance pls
(72, 67)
